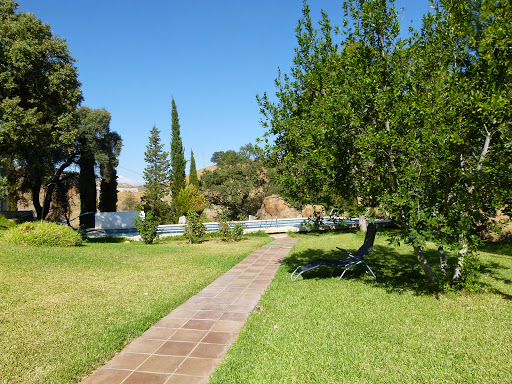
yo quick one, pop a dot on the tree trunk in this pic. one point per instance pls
(363, 225)
(442, 260)
(47, 199)
(36, 190)
(426, 267)
(460, 260)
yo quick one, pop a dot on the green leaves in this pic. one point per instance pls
(419, 129)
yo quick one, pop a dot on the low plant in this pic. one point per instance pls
(42, 234)
(230, 231)
(147, 227)
(194, 229)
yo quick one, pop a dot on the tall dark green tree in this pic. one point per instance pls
(108, 160)
(97, 147)
(178, 162)
(156, 177)
(192, 178)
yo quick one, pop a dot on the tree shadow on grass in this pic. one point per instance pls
(107, 239)
(394, 271)
(495, 271)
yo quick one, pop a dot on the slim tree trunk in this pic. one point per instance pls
(431, 276)
(442, 260)
(36, 190)
(363, 226)
(460, 259)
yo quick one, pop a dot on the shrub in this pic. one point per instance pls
(227, 233)
(147, 227)
(195, 229)
(42, 234)
(190, 199)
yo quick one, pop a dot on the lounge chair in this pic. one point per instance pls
(350, 262)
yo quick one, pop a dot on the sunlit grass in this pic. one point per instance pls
(320, 330)
(65, 311)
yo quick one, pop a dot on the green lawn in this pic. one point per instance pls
(320, 330)
(65, 311)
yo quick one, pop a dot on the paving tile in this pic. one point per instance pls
(247, 307)
(181, 314)
(197, 367)
(210, 351)
(106, 376)
(157, 333)
(167, 322)
(143, 346)
(203, 325)
(215, 307)
(207, 315)
(235, 316)
(193, 335)
(220, 337)
(208, 293)
(176, 348)
(184, 379)
(228, 326)
(232, 289)
(161, 364)
(227, 300)
(191, 306)
(198, 300)
(146, 378)
(127, 360)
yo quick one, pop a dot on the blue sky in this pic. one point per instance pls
(213, 57)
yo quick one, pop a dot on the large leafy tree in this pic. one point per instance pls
(39, 94)
(237, 183)
(418, 128)
(156, 177)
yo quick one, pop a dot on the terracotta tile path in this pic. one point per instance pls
(187, 345)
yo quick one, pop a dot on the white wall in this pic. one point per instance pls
(115, 220)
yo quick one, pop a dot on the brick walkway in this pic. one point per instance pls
(187, 345)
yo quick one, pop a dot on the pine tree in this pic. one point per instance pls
(177, 155)
(156, 176)
(192, 178)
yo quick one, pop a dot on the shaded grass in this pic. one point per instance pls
(66, 311)
(5, 223)
(319, 330)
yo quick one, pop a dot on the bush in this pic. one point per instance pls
(195, 229)
(190, 199)
(42, 233)
(227, 233)
(147, 227)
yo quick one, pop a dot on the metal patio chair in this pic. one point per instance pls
(350, 262)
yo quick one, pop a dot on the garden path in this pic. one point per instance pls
(187, 345)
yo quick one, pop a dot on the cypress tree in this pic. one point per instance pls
(111, 146)
(156, 176)
(192, 178)
(177, 155)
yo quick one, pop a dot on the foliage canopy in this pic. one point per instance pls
(418, 128)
